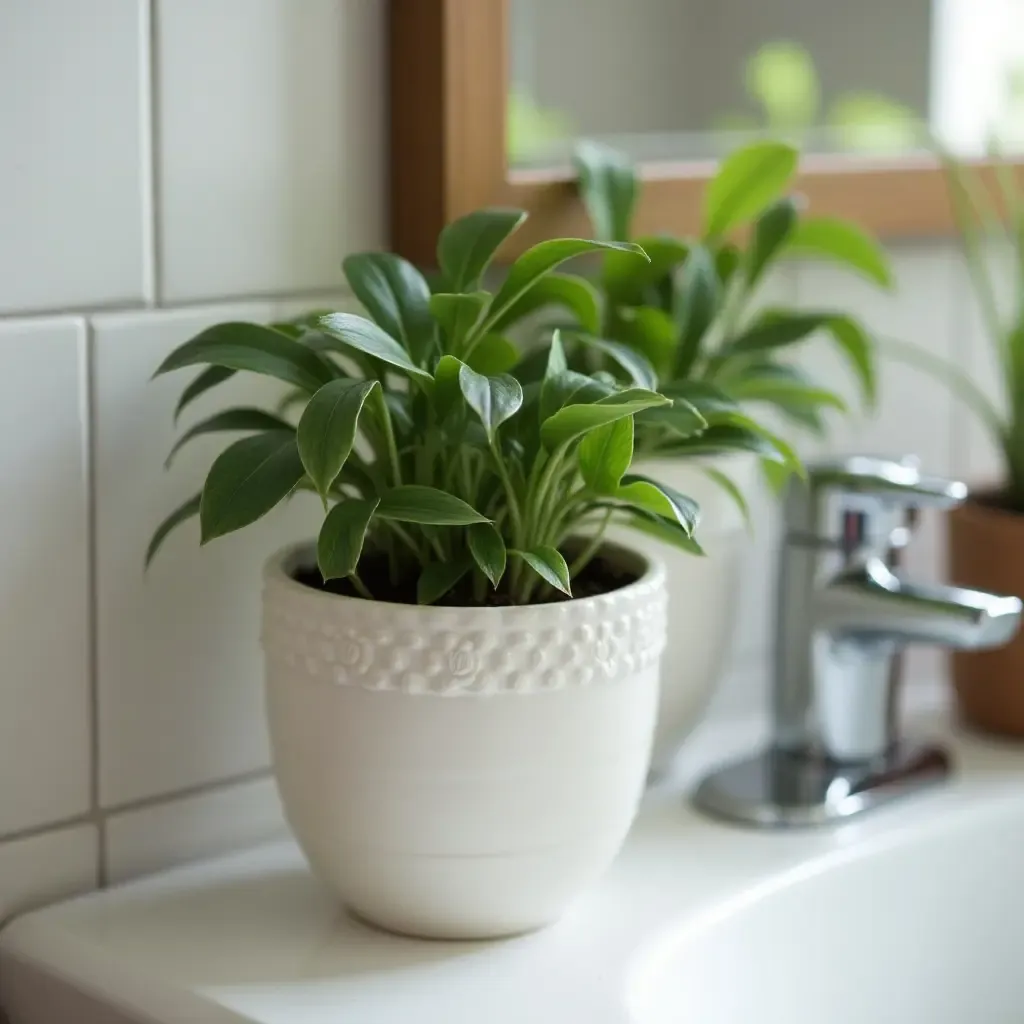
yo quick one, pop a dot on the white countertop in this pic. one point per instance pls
(252, 938)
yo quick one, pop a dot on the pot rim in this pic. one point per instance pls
(652, 575)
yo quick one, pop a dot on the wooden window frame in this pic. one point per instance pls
(448, 76)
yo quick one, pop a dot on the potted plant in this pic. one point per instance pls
(692, 317)
(462, 672)
(986, 534)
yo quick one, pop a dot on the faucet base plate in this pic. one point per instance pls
(781, 790)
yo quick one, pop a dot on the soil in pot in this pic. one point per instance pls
(986, 552)
(600, 576)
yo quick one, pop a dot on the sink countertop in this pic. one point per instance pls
(252, 938)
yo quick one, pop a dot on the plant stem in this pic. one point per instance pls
(361, 589)
(538, 499)
(515, 518)
(389, 435)
(583, 559)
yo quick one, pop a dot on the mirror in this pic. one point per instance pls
(688, 80)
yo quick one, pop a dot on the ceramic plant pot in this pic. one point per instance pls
(703, 594)
(461, 773)
(986, 552)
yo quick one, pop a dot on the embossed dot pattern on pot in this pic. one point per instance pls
(451, 652)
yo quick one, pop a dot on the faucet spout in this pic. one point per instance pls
(870, 602)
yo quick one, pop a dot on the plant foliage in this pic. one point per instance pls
(689, 316)
(990, 224)
(437, 451)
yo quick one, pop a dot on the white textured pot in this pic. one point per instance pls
(461, 772)
(702, 592)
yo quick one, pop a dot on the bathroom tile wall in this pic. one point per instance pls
(195, 160)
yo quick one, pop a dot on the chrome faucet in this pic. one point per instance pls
(842, 617)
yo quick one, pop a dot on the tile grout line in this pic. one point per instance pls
(149, 142)
(99, 816)
(144, 803)
(314, 296)
(90, 419)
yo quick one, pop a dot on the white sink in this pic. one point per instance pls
(923, 923)
(912, 914)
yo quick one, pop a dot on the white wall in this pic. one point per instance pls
(163, 167)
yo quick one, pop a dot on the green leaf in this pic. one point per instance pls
(696, 300)
(746, 182)
(775, 329)
(681, 417)
(727, 261)
(413, 503)
(229, 420)
(438, 578)
(838, 240)
(713, 404)
(857, 347)
(552, 395)
(446, 385)
(781, 385)
(771, 231)
(458, 315)
(636, 365)
(668, 531)
(573, 293)
(184, 512)
(364, 336)
(604, 455)
(488, 551)
(660, 500)
(549, 565)
(729, 486)
(573, 420)
(466, 247)
(627, 280)
(493, 399)
(247, 480)
(252, 347)
(292, 397)
(493, 355)
(340, 544)
(209, 378)
(608, 187)
(751, 437)
(396, 295)
(327, 430)
(652, 333)
(538, 261)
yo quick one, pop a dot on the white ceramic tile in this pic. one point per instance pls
(155, 838)
(47, 868)
(180, 672)
(71, 217)
(976, 454)
(271, 150)
(44, 588)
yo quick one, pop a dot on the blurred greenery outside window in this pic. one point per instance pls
(783, 86)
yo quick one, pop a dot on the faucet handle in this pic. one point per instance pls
(861, 500)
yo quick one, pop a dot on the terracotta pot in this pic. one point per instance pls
(986, 552)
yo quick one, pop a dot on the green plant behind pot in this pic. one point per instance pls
(987, 227)
(431, 458)
(692, 313)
